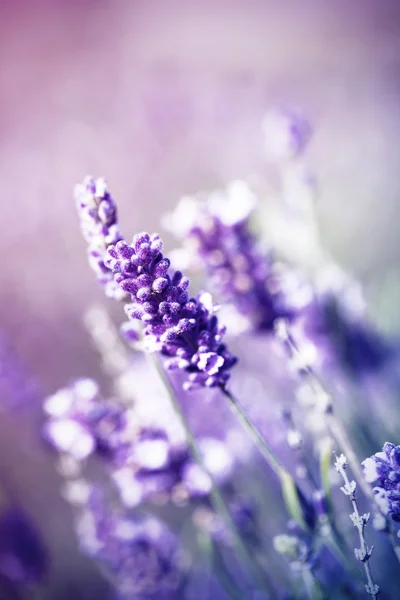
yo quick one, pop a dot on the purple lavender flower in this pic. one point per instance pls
(286, 133)
(142, 558)
(343, 334)
(384, 467)
(182, 328)
(160, 468)
(147, 460)
(295, 548)
(81, 422)
(217, 234)
(99, 225)
(23, 556)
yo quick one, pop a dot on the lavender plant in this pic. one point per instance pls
(147, 460)
(185, 339)
(141, 557)
(217, 236)
(185, 330)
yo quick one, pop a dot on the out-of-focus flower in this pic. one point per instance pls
(24, 557)
(285, 133)
(295, 549)
(384, 468)
(148, 461)
(244, 514)
(80, 422)
(141, 557)
(158, 469)
(17, 388)
(336, 323)
(218, 237)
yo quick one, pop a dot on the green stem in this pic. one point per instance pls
(289, 488)
(240, 412)
(312, 586)
(224, 575)
(216, 497)
(216, 564)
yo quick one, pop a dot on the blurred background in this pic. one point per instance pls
(164, 99)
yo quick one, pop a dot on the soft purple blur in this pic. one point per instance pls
(163, 99)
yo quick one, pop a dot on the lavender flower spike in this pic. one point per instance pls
(363, 554)
(98, 217)
(142, 558)
(384, 467)
(182, 328)
(216, 232)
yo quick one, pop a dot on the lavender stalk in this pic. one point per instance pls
(181, 328)
(184, 329)
(363, 554)
(291, 493)
(216, 496)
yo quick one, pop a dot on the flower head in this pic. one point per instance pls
(219, 236)
(343, 335)
(80, 422)
(158, 467)
(141, 557)
(286, 133)
(98, 217)
(147, 460)
(295, 549)
(180, 327)
(384, 468)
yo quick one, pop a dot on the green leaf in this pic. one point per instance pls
(325, 459)
(292, 498)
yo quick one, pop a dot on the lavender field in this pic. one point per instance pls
(200, 289)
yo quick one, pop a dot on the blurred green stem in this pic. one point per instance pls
(241, 414)
(224, 576)
(216, 497)
(312, 586)
(289, 488)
